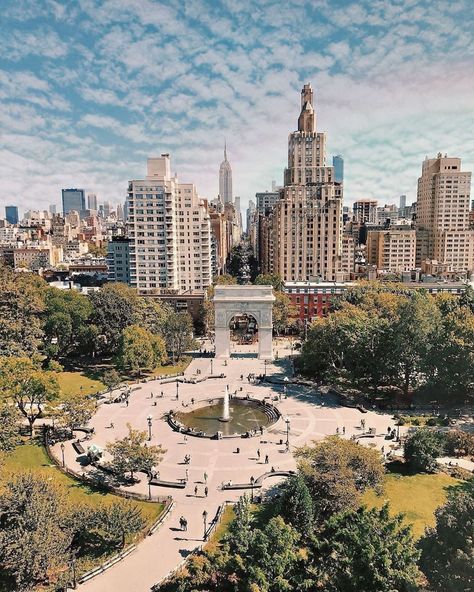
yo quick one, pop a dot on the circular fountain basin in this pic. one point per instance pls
(246, 416)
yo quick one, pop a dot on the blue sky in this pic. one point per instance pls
(90, 88)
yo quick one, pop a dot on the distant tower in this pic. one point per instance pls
(225, 179)
(403, 201)
(338, 164)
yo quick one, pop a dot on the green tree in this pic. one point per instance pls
(240, 530)
(75, 410)
(10, 430)
(296, 505)
(120, 520)
(111, 379)
(67, 314)
(33, 537)
(459, 443)
(177, 332)
(337, 472)
(366, 550)
(270, 279)
(447, 557)
(21, 307)
(151, 314)
(29, 388)
(422, 448)
(282, 312)
(136, 351)
(114, 309)
(132, 453)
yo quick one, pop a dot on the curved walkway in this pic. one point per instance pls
(213, 462)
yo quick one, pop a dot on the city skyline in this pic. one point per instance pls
(88, 93)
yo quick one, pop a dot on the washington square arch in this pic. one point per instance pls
(254, 301)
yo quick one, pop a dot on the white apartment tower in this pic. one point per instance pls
(442, 219)
(225, 179)
(170, 232)
(307, 220)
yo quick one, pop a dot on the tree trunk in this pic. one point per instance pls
(31, 421)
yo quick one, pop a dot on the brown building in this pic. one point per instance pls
(392, 250)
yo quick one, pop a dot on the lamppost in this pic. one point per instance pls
(62, 452)
(287, 421)
(177, 389)
(252, 483)
(265, 364)
(149, 420)
(204, 518)
(149, 487)
(211, 364)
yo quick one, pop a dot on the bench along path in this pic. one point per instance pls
(161, 552)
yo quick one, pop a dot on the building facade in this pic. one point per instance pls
(118, 259)
(338, 164)
(307, 219)
(169, 230)
(11, 214)
(73, 199)
(442, 215)
(365, 211)
(392, 250)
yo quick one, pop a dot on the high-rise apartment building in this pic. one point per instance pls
(306, 221)
(225, 179)
(266, 200)
(338, 164)
(52, 209)
(92, 202)
(403, 201)
(365, 211)
(170, 232)
(118, 259)
(250, 215)
(442, 215)
(73, 199)
(11, 214)
(392, 250)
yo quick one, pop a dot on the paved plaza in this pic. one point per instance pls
(312, 416)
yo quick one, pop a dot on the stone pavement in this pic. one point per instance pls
(312, 416)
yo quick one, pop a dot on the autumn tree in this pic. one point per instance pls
(28, 387)
(10, 426)
(119, 520)
(136, 351)
(177, 332)
(75, 410)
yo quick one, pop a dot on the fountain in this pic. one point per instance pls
(225, 405)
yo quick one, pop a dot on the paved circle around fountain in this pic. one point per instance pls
(245, 416)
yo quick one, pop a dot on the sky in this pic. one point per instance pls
(90, 88)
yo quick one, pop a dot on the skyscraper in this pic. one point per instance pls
(403, 201)
(92, 202)
(225, 179)
(442, 214)
(306, 225)
(338, 164)
(52, 209)
(73, 199)
(11, 214)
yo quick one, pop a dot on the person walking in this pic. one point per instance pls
(266, 459)
(343, 429)
(258, 453)
(206, 491)
(185, 524)
(205, 477)
(195, 491)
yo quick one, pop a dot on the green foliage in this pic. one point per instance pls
(111, 379)
(120, 520)
(447, 556)
(21, 306)
(270, 279)
(30, 389)
(337, 472)
(10, 427)
(296, 505)
(422, 448)
(459, 443)
(366, 550)
(132, 453)
(380, 338)
(33, 536)
(177, 332)
(75, 410)
(136, 352)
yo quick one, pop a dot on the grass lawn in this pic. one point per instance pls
(416, 496)
(216, 537)
(179, 367)
(74, 382)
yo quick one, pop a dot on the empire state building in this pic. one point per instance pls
(225, 179)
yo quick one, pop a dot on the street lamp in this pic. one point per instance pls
(211, 364)
(149, 420)
(204, 518)
(287, 421)
(265, 364)
(177, 389)
(62, 452)
(252, 483)
(149, 487)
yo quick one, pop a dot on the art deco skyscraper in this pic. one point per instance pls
(306, 234)
(225, 179)
(442, 217)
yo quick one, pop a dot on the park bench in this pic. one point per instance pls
(78, 448)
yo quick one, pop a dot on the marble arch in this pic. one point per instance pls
(252, 300)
